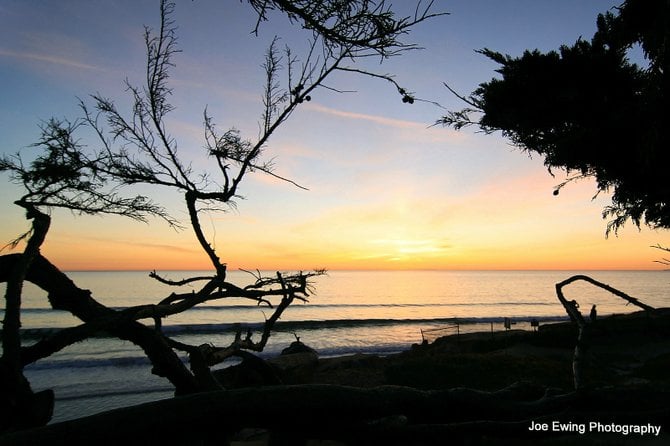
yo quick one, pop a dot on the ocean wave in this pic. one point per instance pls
(324, 306)
(291, 326)
(128, 361)
(340, 306)
(113, 393)
(88, 363)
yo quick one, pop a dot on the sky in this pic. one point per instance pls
(386, 189)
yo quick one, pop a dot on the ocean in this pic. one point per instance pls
(380, 312)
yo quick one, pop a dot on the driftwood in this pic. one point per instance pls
(63, 294)
(382, 415)
(19, 406)
(583, 338)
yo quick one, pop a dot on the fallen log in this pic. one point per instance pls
(389, 414)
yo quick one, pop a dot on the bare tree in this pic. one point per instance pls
(663, 261)
(136, 148)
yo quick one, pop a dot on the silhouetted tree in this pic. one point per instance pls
(587, 109)
(663, 261)
(136, 148)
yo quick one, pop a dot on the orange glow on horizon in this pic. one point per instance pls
(404, 255)
(516, 226)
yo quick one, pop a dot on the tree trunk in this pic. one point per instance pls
(63, 294)
(19, 406)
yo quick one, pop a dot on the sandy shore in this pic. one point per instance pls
(626, 350)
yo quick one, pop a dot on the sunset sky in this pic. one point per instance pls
(387, 190)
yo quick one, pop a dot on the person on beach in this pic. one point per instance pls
(593, 314)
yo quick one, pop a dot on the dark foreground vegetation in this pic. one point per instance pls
(474, 388)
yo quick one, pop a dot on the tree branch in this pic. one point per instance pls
(583, 338)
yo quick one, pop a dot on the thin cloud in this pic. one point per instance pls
(397, 123)
(137, 244)
(49, 59)
(412, 130)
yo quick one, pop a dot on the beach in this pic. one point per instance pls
(377, 313)
(428, 331)
(628, 387)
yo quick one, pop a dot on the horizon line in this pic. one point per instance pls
(364, 269)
